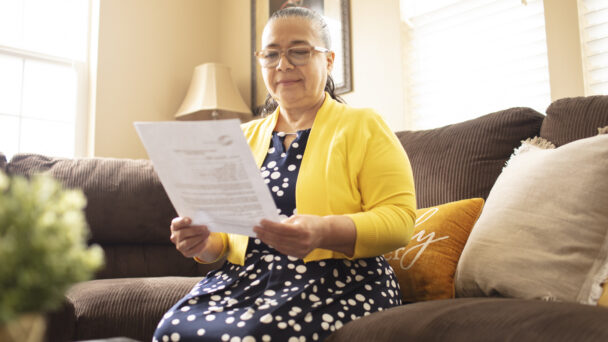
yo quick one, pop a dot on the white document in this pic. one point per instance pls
(209, 174)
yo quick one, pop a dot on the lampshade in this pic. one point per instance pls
(213, 95)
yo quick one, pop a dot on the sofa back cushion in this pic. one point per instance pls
(127, 210)
(574, 118)
(463, 160)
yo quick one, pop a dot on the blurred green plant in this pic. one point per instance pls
(43, 248)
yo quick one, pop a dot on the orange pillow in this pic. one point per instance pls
(425, 267)
(604, 298)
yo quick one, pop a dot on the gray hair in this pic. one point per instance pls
(321, 26)
(315, 18)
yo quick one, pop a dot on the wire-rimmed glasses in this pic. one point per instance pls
(296, 55)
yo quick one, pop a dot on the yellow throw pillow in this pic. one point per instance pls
(425, 267)
(604, 298)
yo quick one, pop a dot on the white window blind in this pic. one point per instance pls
(594, 32)
(467, 58)
(43, 57)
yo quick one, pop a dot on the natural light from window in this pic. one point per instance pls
(467, 58)
(594, 27)
(43, 51)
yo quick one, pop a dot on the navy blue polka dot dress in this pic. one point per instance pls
(274, 297)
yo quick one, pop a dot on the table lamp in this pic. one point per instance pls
(213, 95)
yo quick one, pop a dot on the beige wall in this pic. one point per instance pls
(564, 49)
(235, 43)
(376, 54)
(377, 59)
(148, 49)
(146, 54)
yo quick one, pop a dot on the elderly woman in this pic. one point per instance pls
(345, 186)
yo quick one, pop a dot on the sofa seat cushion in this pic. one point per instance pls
(463, 160)
(480, 319)
(129, 307)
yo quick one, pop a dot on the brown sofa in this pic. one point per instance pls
(129, 215)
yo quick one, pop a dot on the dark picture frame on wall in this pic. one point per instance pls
(337, 15)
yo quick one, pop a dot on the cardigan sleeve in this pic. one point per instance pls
(386, 185)
(224, 238)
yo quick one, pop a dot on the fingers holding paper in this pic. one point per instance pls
(296, 236)
(188, 239)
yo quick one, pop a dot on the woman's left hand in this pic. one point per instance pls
(296, 236)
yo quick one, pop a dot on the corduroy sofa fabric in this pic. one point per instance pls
(140, 260)
(135, 315)
(463, 160)
(574, 118)
(129, 216)
(140, 209)
(480, 319)
(2, 162)
(60, 323)
(128, 213)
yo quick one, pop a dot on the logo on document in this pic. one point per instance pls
(224, 140)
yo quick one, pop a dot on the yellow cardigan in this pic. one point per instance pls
(353, 165)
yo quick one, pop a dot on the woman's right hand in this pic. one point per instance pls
(190, 240)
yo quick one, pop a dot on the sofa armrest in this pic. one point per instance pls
(129, 307)
(60, 323)
(2, 162)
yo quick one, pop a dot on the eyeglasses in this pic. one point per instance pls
(296, 55)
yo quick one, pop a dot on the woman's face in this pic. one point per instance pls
(295, 86)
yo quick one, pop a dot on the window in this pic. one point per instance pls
(594, 32)
(43, 63)
(466, 58)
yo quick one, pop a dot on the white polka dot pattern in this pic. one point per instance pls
(280, 169)
(277, 304)
(274, 297)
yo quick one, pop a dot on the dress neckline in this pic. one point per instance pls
(298, 132)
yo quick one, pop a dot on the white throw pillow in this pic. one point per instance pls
(543, 233)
